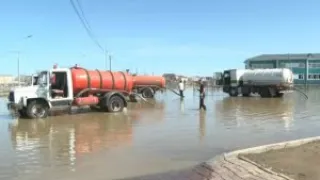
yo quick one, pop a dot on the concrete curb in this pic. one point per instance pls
(233, 166)
(254, 170)
(275, 146)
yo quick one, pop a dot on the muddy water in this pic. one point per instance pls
(159, 136)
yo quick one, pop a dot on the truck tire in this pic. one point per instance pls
(115, 104)
(245, 91)
(233, 92)
(279, 95)
(22, 113)
(264, 92)
(147, 93)
(37, 109)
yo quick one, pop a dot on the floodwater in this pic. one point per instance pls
(149, 138)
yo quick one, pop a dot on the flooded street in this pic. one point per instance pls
(150, 138)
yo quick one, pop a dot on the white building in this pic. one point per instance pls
(6, 79)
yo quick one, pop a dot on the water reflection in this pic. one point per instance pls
(182, 105)
(161, 134)
(61, 140)
(243, 111)
(202, 124)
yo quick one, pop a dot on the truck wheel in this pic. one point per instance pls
(264, 92)
(245, 91)
(115, 104)
(233, 92)
(22, 113)
(279, 95)
(37, 109)
(245, 94)
(147, 93)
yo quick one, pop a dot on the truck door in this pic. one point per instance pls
(43, 83)
(59, 89)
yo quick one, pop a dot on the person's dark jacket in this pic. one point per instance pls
(202, 90)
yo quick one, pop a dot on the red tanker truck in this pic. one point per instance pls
(147, 86)
(62, 88)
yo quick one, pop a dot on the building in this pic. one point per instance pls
(6, 79)
(170, 76)
(182, 78)
(305, 67)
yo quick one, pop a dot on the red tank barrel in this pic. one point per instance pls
(83, 79)
(84, 101)
(149, 81)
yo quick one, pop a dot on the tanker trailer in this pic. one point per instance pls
(265, 82)
(147, 86)
(63, 88)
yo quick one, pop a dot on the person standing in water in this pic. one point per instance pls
(181, 88)
(202, 96)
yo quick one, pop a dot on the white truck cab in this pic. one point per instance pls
(49, 89)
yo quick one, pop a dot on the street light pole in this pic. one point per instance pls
(18, 68)
(18, 60)
(106, 60)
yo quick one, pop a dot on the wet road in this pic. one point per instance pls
(149, 138)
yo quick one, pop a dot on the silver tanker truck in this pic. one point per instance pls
(264, 82)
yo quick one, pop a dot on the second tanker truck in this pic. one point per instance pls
(265, 82)
(147, 86)
(62, 88)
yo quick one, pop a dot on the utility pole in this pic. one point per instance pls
(110, 62)
(18, 61)
(106, 60)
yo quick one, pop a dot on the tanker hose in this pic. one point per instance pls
(82, 92)
(172, 90)
(298, 90)
(140, 96)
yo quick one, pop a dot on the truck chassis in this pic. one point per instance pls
(265, 91)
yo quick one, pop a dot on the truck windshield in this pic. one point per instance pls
(42, 78)
(35, 80)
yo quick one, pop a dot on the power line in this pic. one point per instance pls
(85, 24)
(83, 16)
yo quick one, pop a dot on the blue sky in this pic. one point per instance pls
(182, 36)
